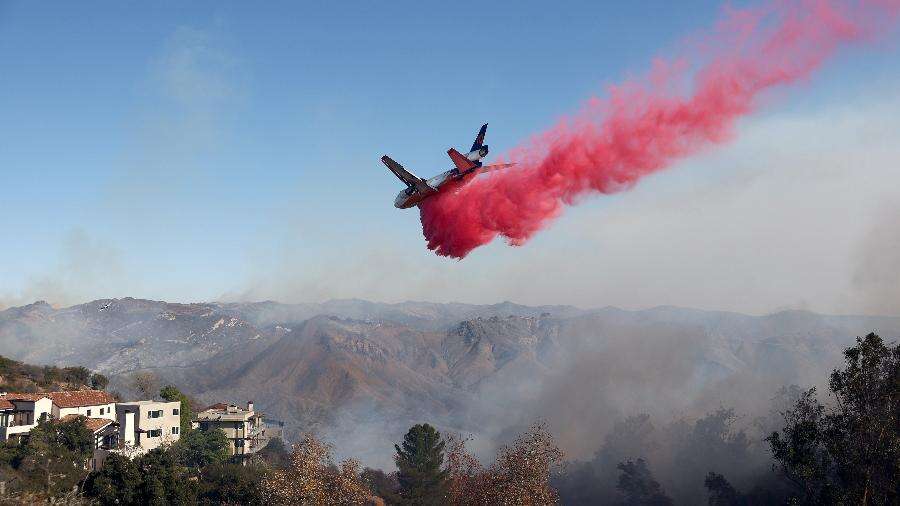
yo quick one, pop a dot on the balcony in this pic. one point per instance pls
(15, 430)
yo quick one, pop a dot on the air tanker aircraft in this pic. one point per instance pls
(467, 167)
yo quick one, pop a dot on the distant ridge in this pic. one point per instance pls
(347, 363)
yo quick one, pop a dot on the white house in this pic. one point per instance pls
(20, 412)
(129, 428)
(87, 403)
(145, 425)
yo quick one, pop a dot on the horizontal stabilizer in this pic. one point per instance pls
(462, 163)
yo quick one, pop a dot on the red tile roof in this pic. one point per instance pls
(67, 399)
(79, 398)
(93, 424)
(5, 404)
(26, 397)
(217, 406)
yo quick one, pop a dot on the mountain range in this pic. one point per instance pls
(363, 370)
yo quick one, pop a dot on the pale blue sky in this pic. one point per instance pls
(221, 148)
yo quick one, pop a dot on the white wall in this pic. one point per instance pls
(143, 423)
(109, 411)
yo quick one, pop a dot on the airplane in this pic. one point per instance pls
(105, 306)
(467, 167)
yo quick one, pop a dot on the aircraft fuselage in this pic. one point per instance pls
(419, 189)
(411, 196)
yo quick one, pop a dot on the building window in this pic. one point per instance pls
(176, 411)
(101, 411)
(155, 414)
(89, 413)
(175, 430)
(239, 443)
(154, 433)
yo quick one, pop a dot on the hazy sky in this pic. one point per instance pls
(231, 151)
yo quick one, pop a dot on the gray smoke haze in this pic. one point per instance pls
(86, 269)
(712, 387)
(773, 221)
(747, 228)
(361, 373)
(590, 373)
(877, 277)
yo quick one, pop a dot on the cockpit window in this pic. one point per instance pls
(409, 191)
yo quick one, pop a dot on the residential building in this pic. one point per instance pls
(145, 425)
(87, 403)
(130, 428)
(106, 438)
(20, 412)
(245, 428)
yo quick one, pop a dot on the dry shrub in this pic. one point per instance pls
(520, 475)
(312, 479)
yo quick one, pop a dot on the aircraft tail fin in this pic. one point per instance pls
(462, 163)
(479, 139)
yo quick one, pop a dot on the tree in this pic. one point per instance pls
(117, 482)
(77, 375)
(638, 487)
(99, 381)
(200, 448)
(172, 394)
(381, 484)
(152, 478)
(55, 454)
(721, 493)
(849, 451)
(228, 483)
(163, 480)
(585, 482)
(312, 478)
(710, 443)
(419, 460)
(50, 375)
(519, 475)
(522, 471)
(145, 384)
(275, 454)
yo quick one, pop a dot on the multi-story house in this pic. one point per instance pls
(87, 403)
(245, 429)
(145, 425)
(130, 428)
(19, 413)
(22, 413)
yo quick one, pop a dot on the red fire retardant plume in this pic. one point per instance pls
(643, 127)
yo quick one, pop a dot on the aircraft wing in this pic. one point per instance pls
(496, 166)
(404, 175)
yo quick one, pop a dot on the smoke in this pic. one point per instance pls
(877, 277)
(646, 126)
(86, 269)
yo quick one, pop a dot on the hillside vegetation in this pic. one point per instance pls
(815, 452)
(17, 376)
